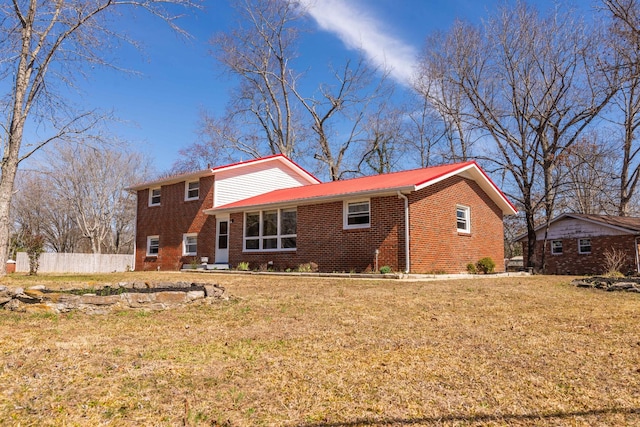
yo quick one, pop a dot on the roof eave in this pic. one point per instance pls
(310, 200)
(479, 176)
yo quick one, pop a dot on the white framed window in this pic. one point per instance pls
(153, 245)
(556, 247)
(270, 230)
(357, 214)
(584, 246)
(192, 190)
(190, 244)
(463, 219)
(154, 196)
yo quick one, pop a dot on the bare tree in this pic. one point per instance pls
(588, 177)
(385, 138)
(276, 108)
(37, 208)
(444, 97)
(531, 83)
(259, 51)
(346, 100)
(625, 42)
(43, 43)
(92, 182)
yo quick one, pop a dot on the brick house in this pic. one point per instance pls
(436, 219)
(576, 243)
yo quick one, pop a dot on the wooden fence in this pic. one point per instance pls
(76, 263)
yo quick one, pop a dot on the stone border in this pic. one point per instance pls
(119, 296)
(610, 284)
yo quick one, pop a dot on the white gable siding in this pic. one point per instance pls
(251, 180)
(574, 228)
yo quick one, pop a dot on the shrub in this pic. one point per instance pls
(471, 268)
(385, 269)
(614, 260)
(485, 265)
(243, 266)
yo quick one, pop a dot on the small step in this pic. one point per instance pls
(217, 266)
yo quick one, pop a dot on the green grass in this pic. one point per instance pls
(297, 351)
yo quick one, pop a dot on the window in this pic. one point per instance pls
(357, 214)
(270, 230)
(153, 245)
(190, 244)
(223, 234)
(154, 197)
(463, 220)
(584, 246)
(192, 190)
(556, 247)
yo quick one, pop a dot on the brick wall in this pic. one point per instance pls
(436, 245)
(571, 262)
(170, 221)
(321, 239)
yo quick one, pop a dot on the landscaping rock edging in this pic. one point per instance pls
(609, 284)
(120, 296)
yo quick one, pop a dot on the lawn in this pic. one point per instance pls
(291, 351)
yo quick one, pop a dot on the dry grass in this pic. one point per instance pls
(332, 352)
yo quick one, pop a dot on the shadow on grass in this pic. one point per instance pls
(548, 416)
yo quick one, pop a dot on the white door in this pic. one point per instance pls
(222, 240)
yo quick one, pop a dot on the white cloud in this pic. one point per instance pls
(358, 29)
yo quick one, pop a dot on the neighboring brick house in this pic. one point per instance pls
(576, 243)
(432, 220)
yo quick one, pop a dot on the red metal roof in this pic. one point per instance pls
(377, 184)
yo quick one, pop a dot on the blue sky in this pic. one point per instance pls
(159, 108)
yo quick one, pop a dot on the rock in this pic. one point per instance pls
(4, 300)
(28, 299)
(582, 284)
(138, 300)
(34, 293)
(15, 291)
(37, 288)
(194, 295)
(41, 308)
(168, 297)
(3, 289)
(620, 286)
(140, 285)
(14, 305)
(100, 300)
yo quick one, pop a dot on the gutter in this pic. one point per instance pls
(407, 268)
(314, 200)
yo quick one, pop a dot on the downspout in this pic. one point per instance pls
(407, 268)
(637, 258)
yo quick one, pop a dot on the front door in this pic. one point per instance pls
(222, 240)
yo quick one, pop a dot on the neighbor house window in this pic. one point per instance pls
(154, 197)
(270, 230)
(463, 219)
(556, 247)
(584, 246)
(357, 214)
(153, 245)
(192, 190)
(190, 244)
